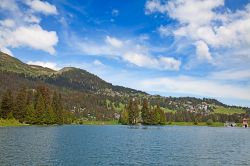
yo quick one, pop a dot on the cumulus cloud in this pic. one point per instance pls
(42, 7)
(202, 50)
(21, 28)
(155, 6)
(204, 26)
(35, 37)
(50, 65)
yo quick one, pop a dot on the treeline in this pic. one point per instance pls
(85, 104)
(147, 115)
(184, 116)
(34, 106)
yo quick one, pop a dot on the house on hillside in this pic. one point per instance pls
(230, 124)
(245, 122)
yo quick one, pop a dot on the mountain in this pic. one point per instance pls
(11, 64)
(87, 93)
(68, 77)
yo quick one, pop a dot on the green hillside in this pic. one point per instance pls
(11, 64)
(229, 111)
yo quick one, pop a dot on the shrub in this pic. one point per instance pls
(195, 123)
(209, 122)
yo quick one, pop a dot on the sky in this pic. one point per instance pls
(198, 48)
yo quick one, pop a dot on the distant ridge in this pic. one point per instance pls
(67, 77)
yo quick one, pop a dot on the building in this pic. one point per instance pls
(245, 122)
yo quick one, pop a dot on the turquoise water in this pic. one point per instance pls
(123, 145)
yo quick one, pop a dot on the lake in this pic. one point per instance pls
(123, 145)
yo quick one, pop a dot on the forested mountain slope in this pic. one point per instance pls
(90, 96)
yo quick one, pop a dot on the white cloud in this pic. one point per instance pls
(164, 31)
(169, 63)
(20, 28)
(195, 86)
(98, 63)
(8, 5)
(31, 19)
(193, 12)
(35, 37)
(6, 51)
(114, 42)
(147, 61)
(7, 23)
(140, 59)
(155, 6)
(202, 50)
(50, 65)
(127, 50)
(91, 48)
(237, 75)
(205, 27)
(42, 7)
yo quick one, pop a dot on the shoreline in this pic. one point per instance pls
(11, 123)
(15, 123)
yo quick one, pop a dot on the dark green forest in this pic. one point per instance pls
(35, 106)
(147, 115)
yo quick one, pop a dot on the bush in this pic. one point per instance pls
(209, 122)
(195, 123)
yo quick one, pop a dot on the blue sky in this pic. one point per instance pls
(195, 48)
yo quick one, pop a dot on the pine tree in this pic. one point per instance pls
(44, 91)
(20, 105)
(133, 112)
(40, 110)
(7, 104)
(145, 112)
(57, 107)
(50, 116)
(30, 116)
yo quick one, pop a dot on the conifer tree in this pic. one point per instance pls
(7, 104)
(30, 116)
(133, 112)
(40, 110)
(57, 107)
(20, 105)
(50, 116)
(145, 112)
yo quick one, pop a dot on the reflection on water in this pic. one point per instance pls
(124, 145)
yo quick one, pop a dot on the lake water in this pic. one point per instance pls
(123, 145)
